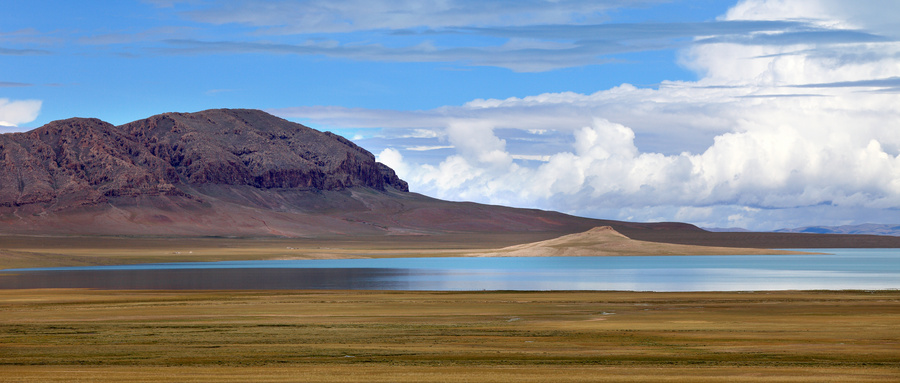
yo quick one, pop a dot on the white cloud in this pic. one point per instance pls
(422, 133)
(422, 148)
(764, 154)
(14, 113)
(739, 147)
(393, 159)
(531, 157)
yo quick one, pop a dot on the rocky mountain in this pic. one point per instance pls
(78, 162)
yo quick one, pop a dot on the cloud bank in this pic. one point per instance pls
(324, 16)
(523, 36)
(780, 130)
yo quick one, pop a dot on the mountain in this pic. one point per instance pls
(238, 172)
(868, 228)
(222, 173)
(79, 161)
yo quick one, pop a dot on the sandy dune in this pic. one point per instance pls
(606, 241)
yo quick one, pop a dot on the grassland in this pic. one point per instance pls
(335, 336)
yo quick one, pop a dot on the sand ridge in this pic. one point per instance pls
(606, 241)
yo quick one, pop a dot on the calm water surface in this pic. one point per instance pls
(841, 269)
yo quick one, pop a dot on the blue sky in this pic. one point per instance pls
(759, 114)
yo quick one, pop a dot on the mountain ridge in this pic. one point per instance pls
(85, 161)
(866, 228)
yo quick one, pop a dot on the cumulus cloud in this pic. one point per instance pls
(16, 112)
(739, 147)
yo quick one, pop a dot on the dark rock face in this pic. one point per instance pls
(249, 147)
(78, 162)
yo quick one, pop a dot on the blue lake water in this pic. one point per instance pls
(862, 269)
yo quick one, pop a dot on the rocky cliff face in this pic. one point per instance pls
(78, 162)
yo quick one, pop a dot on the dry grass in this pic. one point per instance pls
(26, 252)
(334, 336)
(392, 374)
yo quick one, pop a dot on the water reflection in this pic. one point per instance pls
(210, 279)
(845, 269)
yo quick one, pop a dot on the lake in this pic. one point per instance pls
(841, 269)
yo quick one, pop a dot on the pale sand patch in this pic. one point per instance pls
(605, 241)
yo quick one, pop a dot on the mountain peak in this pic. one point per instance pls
(251, 147)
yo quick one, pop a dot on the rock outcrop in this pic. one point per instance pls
(79, 161)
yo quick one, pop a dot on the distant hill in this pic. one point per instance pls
(726, 229)
(868, 228)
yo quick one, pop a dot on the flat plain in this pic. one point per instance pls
(334, 336)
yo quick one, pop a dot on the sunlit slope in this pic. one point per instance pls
(606, 241)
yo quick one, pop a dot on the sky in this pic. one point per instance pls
(759, 114)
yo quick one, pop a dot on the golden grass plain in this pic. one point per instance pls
(380, 336)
